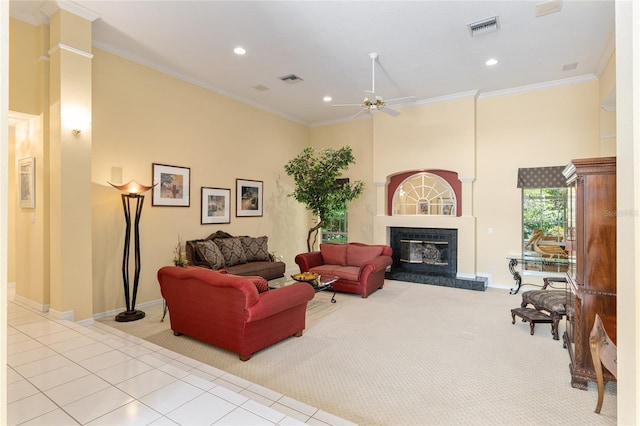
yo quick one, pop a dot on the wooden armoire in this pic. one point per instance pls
(591, 243)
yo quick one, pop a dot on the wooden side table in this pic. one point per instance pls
(531, 316)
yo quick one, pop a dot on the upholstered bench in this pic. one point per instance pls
(555, 302)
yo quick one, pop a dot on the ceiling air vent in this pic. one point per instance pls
(291, 79)
(488, 25)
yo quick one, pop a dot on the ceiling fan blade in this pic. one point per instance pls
(347, 105)
(398, 101)
(362, 111)
(389, 111)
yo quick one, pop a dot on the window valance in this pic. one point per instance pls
(541, 177)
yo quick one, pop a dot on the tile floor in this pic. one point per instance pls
(61, 373)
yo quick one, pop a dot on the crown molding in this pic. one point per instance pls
(452, 97)
(539, 86)
(51, 7)
(62, 46)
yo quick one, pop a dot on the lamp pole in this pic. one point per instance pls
(131, 191)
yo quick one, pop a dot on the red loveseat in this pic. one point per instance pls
(359, 267)
(227, 310)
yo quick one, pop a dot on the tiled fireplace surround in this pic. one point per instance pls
(464, 223)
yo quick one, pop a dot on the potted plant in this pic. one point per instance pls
(180, 255)
(317, 185)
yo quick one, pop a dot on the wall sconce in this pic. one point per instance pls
(75, 118)
(131, 191)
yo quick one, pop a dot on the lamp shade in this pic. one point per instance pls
(132, 187)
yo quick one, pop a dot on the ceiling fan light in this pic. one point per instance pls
(239, 51)
(491, 62)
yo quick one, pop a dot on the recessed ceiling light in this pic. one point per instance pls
(239, 51)
(548, 7)
(491, 62)
(327, 99)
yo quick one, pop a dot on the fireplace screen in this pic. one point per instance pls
(426, 251)
(429, 252)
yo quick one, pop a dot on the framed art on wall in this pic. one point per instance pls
(171, 185)
(215, 205)
(27, 171)
(248, 197)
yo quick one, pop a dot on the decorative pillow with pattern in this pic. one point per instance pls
(210, 252)
(255, 248)
(232, 250)
(261, 284)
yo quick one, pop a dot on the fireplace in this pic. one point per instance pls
(428, 256)
(430, 251)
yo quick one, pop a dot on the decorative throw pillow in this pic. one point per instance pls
(334, 254)
(359, 255)
(210, 252)
(261, 284)
(232, 250)
(255, 248)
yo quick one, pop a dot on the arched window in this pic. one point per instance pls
(424, 193)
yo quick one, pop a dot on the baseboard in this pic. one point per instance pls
(66, 315)
(38, 307)
(114, 312)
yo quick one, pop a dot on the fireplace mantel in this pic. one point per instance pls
(466, 226)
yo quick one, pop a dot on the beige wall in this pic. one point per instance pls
(547, 127)
(12, 201)
(25, 45)
(30, 254)
(607, 111)
(439, 135)
(140, 117)
(29, 261)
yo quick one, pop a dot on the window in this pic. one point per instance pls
(544, 209)
(334, 228)
(424, 194)
(544, 214)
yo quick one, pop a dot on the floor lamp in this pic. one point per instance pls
(131, 191)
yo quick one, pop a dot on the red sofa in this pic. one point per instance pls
(360, 267)
(227, 310)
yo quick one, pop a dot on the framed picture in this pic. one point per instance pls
(448, 207)
(215, 206)
(423, 207)
(171, 185)
(27, 177)
(248, 197)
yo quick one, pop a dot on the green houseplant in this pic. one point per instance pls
(318, 185)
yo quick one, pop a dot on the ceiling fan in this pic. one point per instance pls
(373, 102)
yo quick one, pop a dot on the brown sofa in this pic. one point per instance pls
(245, 256)
(359, 267)
(229, 311)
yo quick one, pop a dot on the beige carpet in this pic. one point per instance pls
(151, 328)
(415, 354)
